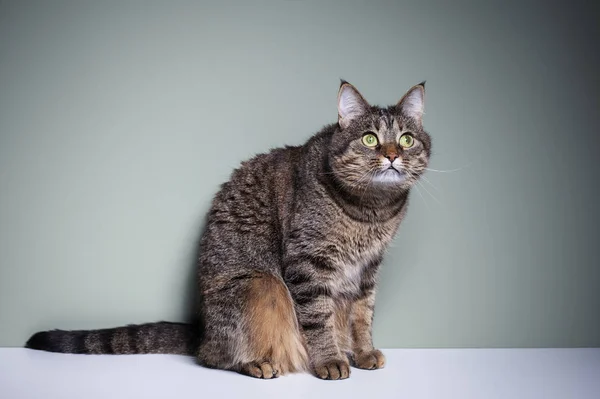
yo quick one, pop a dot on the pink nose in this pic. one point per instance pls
(392, 156)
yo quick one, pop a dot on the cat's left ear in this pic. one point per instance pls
(413, 103)
(351, 104)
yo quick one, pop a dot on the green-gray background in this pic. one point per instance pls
(119, 120)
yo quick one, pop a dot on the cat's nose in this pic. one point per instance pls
(392, 156)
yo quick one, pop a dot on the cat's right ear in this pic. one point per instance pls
(411, 105)
(351, 104)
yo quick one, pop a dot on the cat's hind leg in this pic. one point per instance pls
(251, 327)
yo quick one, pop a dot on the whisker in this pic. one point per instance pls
(416, 180)
(430, 183)
(449, 170)
(347, 170)
(367, 186)
(423, 198)
(360, 179)
(428, 192)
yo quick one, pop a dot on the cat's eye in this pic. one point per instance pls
(406, 140)
(370, 140)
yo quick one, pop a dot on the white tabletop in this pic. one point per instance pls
(410, 373)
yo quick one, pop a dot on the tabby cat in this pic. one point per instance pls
(288, 262)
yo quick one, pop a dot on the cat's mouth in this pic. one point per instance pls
(390, 175)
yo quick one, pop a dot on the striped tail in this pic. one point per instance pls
(161, 337)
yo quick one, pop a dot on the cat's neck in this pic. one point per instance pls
(367, 206)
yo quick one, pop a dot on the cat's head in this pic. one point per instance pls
(379, 149)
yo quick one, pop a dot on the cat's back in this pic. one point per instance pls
(247, 213)
(251, 193)
(262, 189)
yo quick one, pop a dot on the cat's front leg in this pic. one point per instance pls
(364, 355)
(317, 322)
(315, 312)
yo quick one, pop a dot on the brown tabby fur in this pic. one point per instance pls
(272, 330)
(289, 259)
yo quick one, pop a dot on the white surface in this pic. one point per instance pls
(410, 373)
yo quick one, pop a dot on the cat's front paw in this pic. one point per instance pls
(333, 370)
(369, 360)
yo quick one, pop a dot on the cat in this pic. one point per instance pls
(289, 259)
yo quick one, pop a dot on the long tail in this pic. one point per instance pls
(161, 337)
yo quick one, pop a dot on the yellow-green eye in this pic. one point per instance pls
(407, 141)
(370, 140)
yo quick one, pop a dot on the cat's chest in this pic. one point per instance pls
(356, 243)
(353, 248)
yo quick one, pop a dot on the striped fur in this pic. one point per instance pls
(162, 337)
(289, 259)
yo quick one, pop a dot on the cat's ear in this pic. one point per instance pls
(413, 102)
(350, 104)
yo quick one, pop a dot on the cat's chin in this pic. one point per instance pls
(389, 177)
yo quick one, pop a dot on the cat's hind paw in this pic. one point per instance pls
(264, 370)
